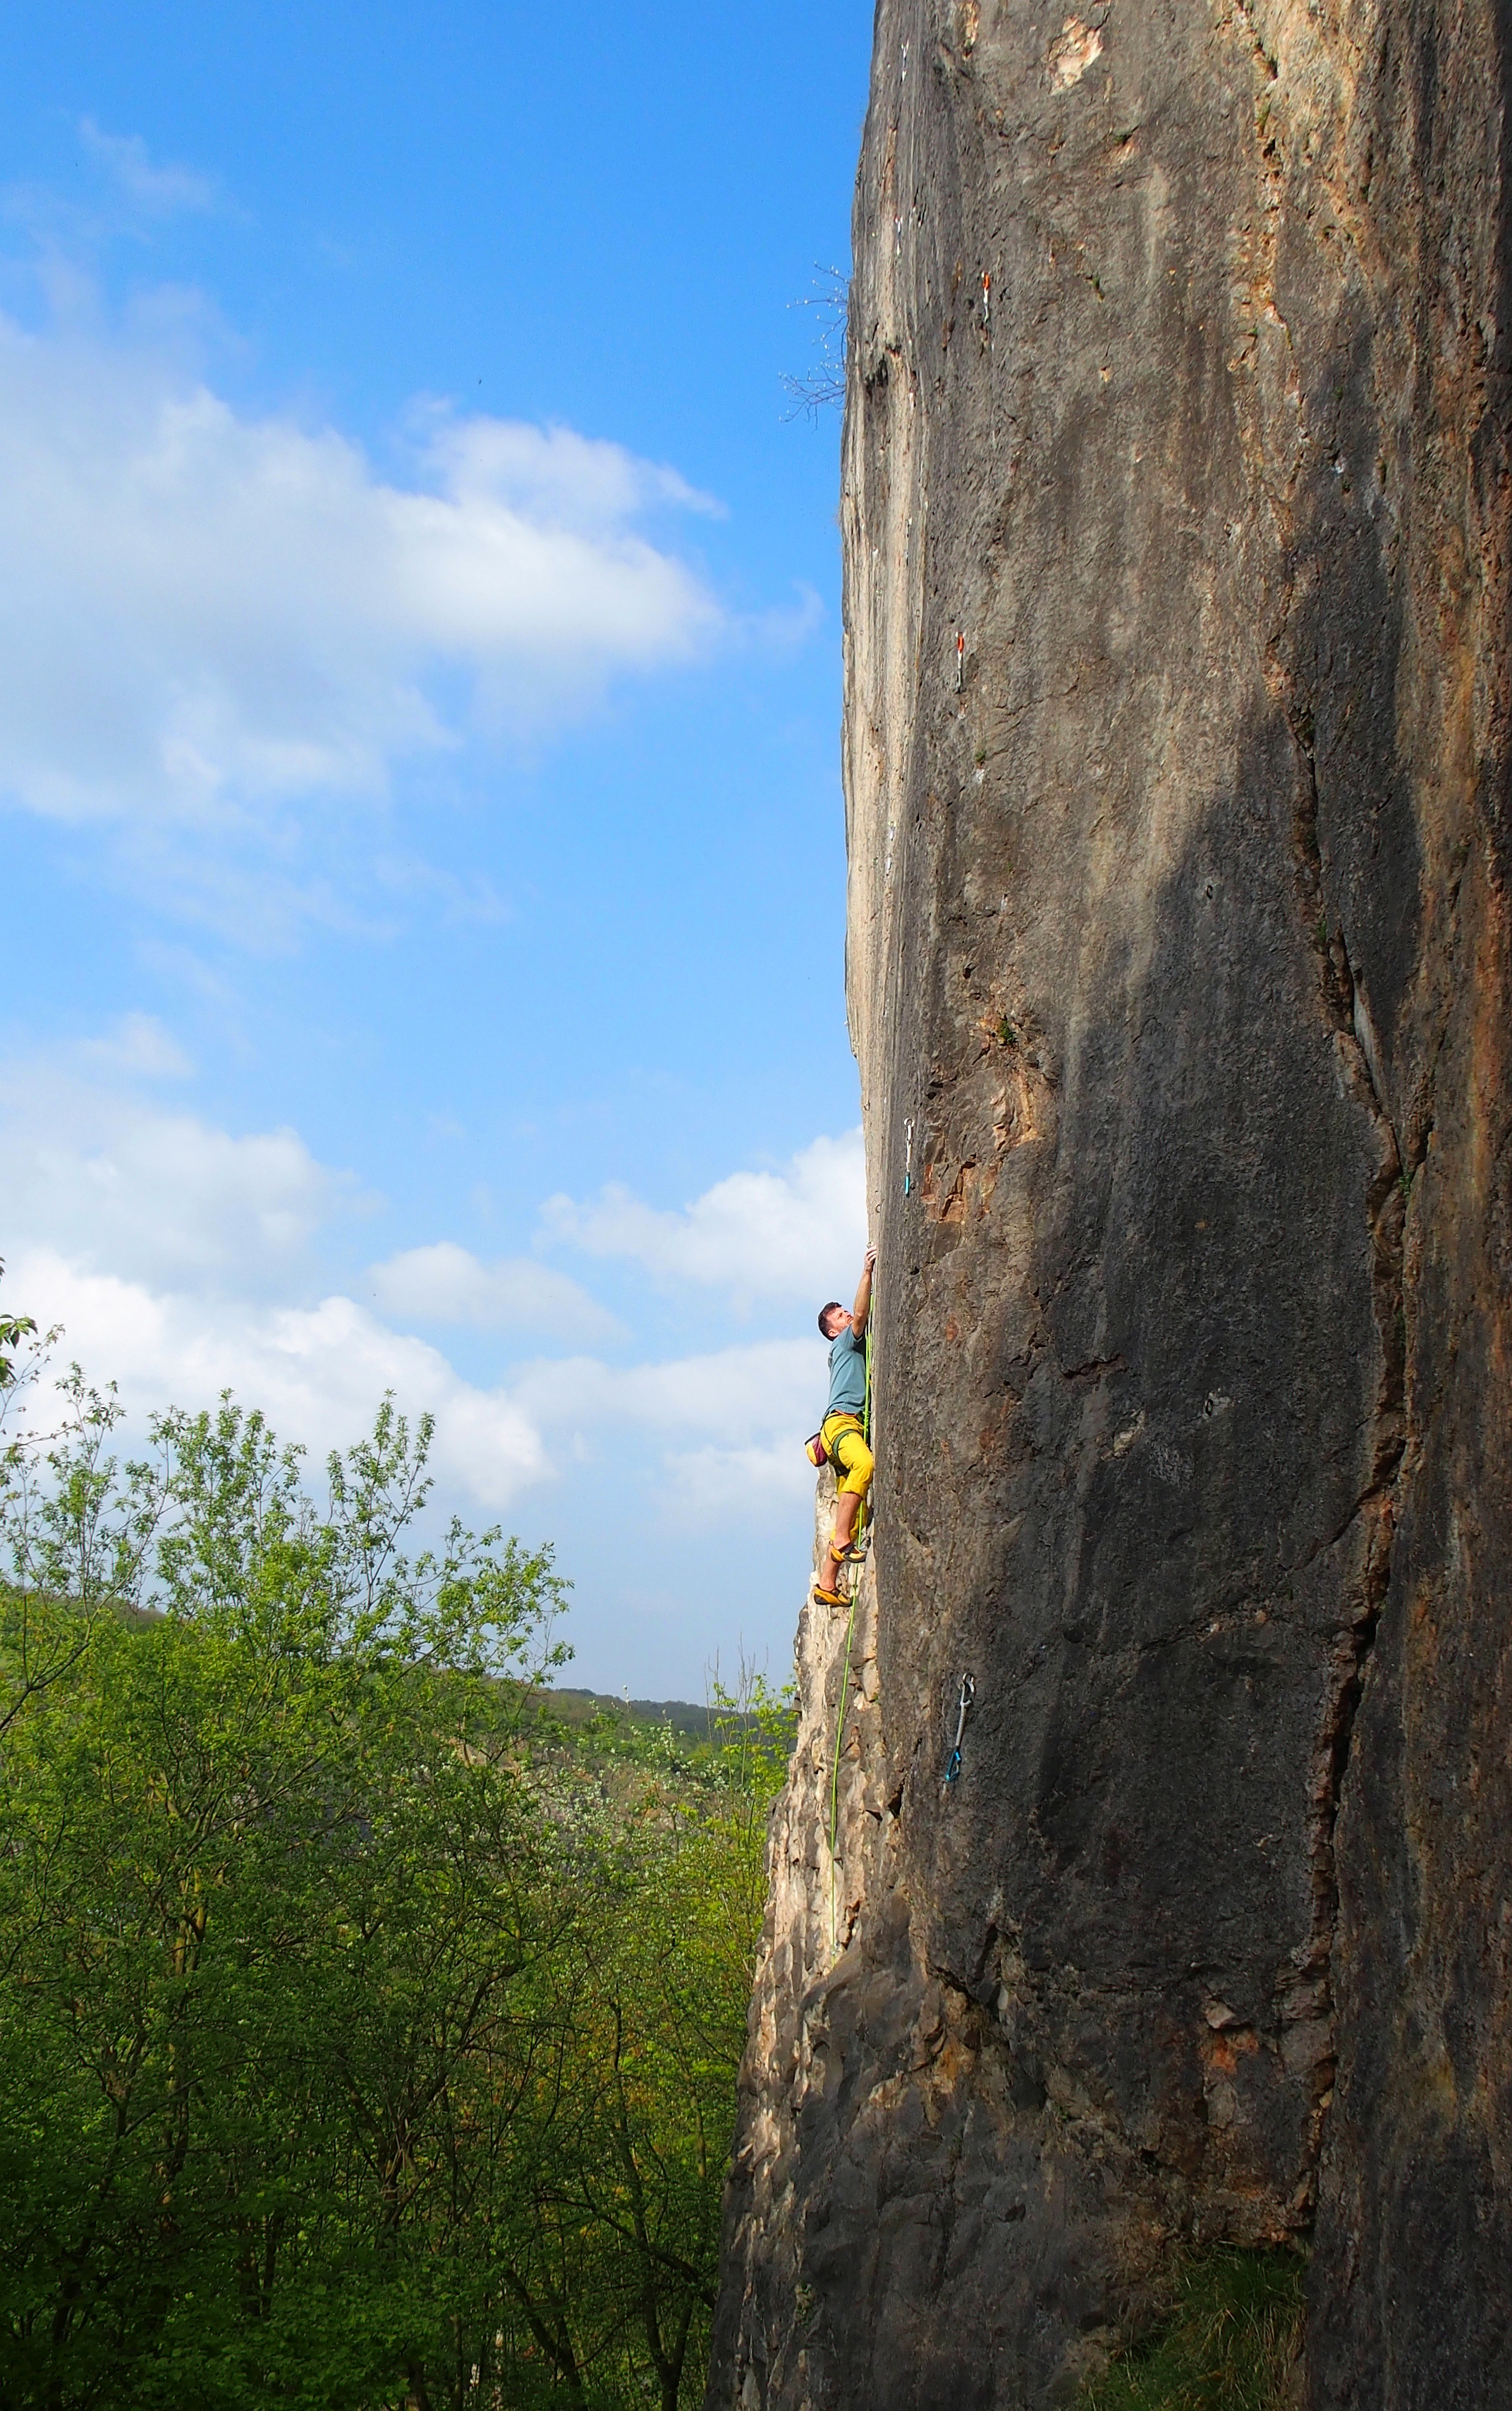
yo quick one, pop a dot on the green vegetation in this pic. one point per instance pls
(1225, 2344)
(368, 2032)
(14, 1328)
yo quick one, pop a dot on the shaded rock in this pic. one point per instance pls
(1175, 520)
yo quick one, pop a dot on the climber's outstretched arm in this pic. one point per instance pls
(862, 1304)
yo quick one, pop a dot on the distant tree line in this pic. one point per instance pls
(365, 2040)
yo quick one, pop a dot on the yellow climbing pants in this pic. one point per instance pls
(844, 1445)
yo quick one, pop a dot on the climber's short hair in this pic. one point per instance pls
(824, 1312)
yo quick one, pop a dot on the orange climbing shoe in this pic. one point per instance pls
(830, 1598)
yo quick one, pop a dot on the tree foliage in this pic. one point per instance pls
(14, 1329)
(364, 2040)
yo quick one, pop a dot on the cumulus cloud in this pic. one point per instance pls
(139, 1046)
(728, 1395)
(703, 1485)
(119, 1183)
(318, 1373)
(158, 189)
(570, 479)
(730, 1423)
(444, 1283)
(210, 618)
(180, 1258)
(756, 1234)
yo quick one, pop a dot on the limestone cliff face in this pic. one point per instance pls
(1176, 529)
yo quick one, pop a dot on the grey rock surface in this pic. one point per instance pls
(1175, 516)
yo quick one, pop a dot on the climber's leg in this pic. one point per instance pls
(847, 1514)
(849, 1450)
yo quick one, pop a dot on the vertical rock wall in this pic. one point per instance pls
(1175, 518)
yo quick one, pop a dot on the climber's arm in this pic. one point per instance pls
(862, 1304)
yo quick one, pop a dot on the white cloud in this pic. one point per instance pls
(157, 190)
(444, 1283)
(705, 1489)
(119, 1184)
(728, 1398)
(210, 619)
(174, 1254)
(138, 1046)
(570, 479)
(798, 1233)
(745, 1410)
(318, 1373)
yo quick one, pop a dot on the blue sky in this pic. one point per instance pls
(419, 693)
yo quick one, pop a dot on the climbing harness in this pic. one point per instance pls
(963, 1709)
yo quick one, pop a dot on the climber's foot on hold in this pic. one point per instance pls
(828, 1598)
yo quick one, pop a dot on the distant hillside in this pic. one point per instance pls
(576, 1707)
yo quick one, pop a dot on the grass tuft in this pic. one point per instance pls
(1226, 2342)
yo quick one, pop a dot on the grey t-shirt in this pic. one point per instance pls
(847, 1375)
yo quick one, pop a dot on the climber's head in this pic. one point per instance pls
(833, 1319)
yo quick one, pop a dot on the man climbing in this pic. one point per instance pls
(842, 1430)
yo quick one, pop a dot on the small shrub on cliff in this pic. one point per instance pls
(1227, 2343)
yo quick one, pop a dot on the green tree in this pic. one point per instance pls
(363, 2042)
(14, 1328)
(616, 2190)
(261, 1888)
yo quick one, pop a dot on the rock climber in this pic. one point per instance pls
(842, 1431)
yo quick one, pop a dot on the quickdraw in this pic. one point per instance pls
(963, 1709)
